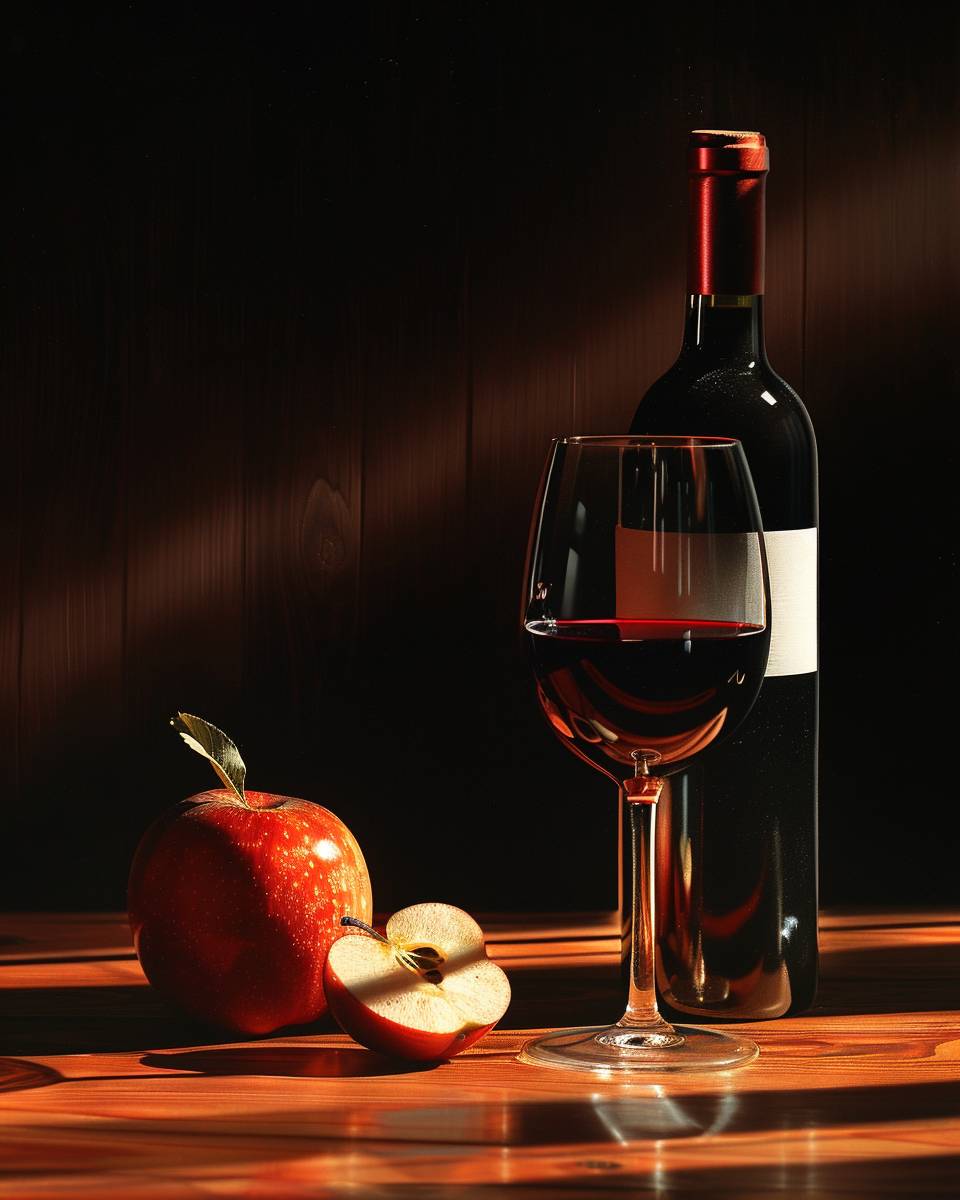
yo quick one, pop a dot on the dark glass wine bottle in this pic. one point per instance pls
(737, 840)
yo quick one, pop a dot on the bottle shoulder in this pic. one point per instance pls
(725, 398)
(783, 392)
(751, 402)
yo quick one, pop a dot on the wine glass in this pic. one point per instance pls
(647, 611)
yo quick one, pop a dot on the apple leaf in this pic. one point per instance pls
(214, 745)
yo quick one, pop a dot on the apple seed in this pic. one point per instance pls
(427, 952)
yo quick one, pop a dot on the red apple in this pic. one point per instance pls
(425, 991)
(235, 899)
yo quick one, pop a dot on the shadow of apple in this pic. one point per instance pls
(311, 1062)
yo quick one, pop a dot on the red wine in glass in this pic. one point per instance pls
(611, 687)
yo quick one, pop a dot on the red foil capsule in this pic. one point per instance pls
(728, 178)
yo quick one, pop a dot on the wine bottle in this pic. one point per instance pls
(737, 841)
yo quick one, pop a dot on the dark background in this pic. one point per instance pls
(291, 308)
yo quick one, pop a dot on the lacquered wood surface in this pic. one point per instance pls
(104, 1093)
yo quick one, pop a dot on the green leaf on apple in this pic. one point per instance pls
(214, 745)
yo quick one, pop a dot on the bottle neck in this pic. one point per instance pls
(725, 261)
(724, 328)
(726, 234)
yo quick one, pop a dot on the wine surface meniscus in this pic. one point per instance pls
(610, 687)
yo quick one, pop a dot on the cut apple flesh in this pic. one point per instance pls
(439, 927)
(471, 990)
(442, 983)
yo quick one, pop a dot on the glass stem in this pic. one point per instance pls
(641, 804)
(642, 999)
(641, 1027)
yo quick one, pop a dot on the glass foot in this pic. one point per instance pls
(615, 1048)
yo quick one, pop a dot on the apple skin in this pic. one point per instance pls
(233, 909)
(386, 1036)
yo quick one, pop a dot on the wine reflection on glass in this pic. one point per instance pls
(647, 612)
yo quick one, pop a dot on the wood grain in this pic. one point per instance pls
(292, 309)
(11, 531)
(876, 274)
(103, 1093)
(71, 562)
(183, 464)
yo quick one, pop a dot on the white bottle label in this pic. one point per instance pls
(694, 577)
(792, 563)
(689, 576)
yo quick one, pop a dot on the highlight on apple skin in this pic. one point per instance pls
(424, 992)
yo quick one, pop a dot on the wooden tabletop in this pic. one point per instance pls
(105, 1093)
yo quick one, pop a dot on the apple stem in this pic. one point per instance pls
(356, 923)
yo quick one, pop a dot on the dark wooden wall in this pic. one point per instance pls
(292, 305)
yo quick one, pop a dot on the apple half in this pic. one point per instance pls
(423, 992)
